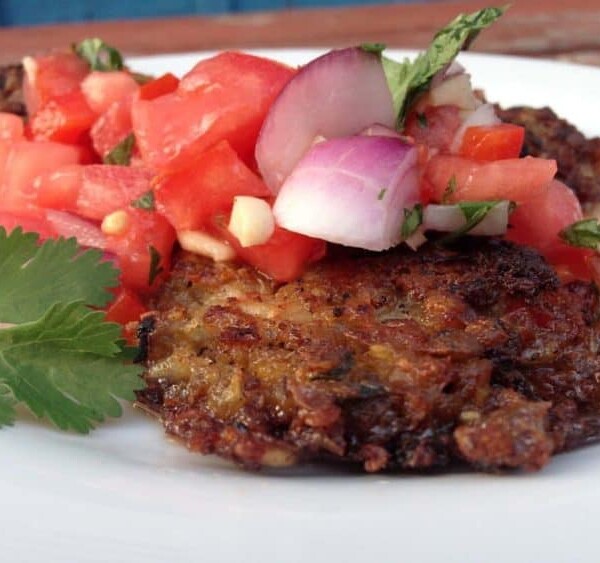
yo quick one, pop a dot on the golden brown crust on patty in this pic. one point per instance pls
(395, 360)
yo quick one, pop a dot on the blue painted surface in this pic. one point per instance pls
(31, 12)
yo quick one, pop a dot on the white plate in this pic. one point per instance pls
(125, 493)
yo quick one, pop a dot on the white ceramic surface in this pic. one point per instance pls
(127, 494)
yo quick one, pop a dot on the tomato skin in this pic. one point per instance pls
(160, 86)
(538, 222)
(283, 257)
(493, 142)
(51, 76)
(11, 127)
(191, 197)
(435, 127)
(146, 230)
(102, 89)
(515, 179)
(65, 119)
(24, 163)
(222, 98)
(93, 191)
(112, 126)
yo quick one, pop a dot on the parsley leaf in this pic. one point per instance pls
(58, 356)
(145, 201)
(33, 276)
(99, 55)
(408, 79)
(584, 233)
(121, 153)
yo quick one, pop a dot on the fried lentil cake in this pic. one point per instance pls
(408, 360)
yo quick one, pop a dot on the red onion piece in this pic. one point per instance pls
(68, 225)
(450, 218)
(336, 95)
(351, 191)
(378, 130)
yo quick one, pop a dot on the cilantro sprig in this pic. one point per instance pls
(409, 79)
(58, 356)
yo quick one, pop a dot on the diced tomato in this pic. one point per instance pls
(25, 162)
(66, 119)
(51, 76)
(493, 142)
(160, 86)
(102, 89)
(191, 197)
(283, 257)
(538, 222)
(147, 234)
(515, 179)
(31, 221)
(112, 126)
(222, 98)
(125, 308)
(11, 127)
(435, 127)
(93, 191)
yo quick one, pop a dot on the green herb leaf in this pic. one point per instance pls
(121, 153)
(376, 48)
(66, 366)
(99, 55)
(7, 406)
(409, 79)
(412, 221)
(381, 194)
(585, 233)
(33, 276)
(145, 201)
(422, 120)
(450, 189)
(57, 356)
(155, 268)
(474, 212)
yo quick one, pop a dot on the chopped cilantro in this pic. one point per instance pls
(57, 356)
(585, 233)
(121, 153)
(381, 194)
(422, 120)
(412, 220)
(99, 55)
(450, 189)
(376, 48)
(474, 212)
(409, 79)
(145, 201)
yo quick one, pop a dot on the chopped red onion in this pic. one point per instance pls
(351, 191)
(336, 95)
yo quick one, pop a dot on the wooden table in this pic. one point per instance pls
(560, 29)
